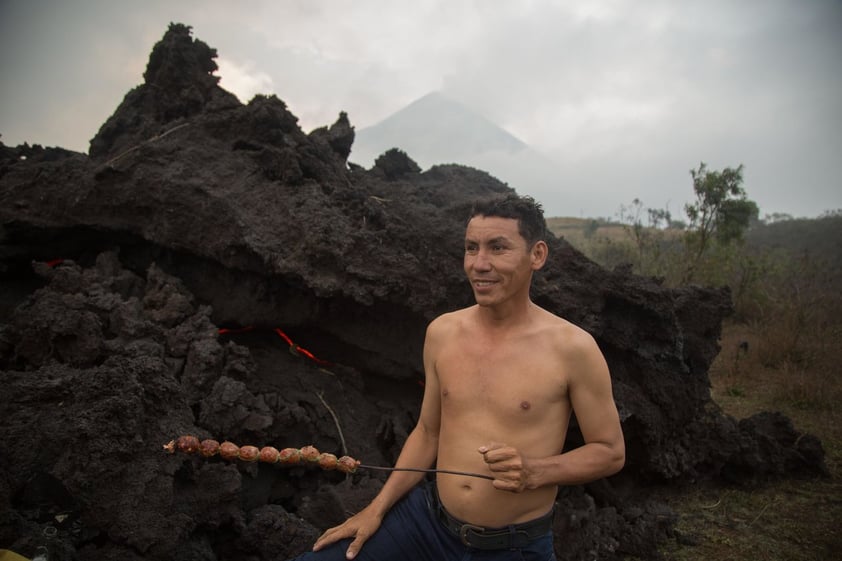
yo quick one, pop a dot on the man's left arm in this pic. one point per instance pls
(604, 451)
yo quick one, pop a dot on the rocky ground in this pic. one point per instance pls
(142, 286)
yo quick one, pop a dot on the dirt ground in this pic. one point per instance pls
(791, 520)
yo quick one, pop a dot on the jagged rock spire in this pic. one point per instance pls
(179, 83)
(340, 135)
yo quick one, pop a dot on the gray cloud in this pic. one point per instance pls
(624, 96)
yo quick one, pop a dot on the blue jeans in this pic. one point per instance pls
(412, 532)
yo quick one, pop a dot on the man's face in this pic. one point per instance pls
(498, 262)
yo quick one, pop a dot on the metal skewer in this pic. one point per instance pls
(468, 474)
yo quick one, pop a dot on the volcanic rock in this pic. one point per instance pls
(210, 269)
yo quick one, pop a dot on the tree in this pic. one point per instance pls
(648, 239)
(721, 213)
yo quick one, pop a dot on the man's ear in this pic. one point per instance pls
(539, 254)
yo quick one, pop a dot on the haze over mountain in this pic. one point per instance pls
(438, 130)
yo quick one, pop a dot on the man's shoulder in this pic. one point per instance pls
(451, 318)
(569, 335)
(555, 321)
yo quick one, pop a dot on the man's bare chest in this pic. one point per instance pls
(513, 381)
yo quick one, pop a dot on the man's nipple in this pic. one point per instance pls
(525, 405)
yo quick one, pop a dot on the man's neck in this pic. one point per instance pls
(505, 316)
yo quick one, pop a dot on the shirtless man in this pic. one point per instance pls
(502, 379)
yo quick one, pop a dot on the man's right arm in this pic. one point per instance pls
(419, 450)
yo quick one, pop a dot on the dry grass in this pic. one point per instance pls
(783, 356)
(578, 233)
(791, 520)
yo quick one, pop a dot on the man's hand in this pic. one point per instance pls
(361, 526)
(510, 469)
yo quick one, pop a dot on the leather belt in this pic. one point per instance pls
(512, 536)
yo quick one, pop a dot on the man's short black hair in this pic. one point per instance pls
(526, 210)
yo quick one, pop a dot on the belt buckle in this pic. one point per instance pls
(465, 528)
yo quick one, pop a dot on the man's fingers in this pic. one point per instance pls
(355, 547)
(494, 452)
(490, 447)
(322, 540)
(328, 537)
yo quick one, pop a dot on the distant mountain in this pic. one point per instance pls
(438, 130)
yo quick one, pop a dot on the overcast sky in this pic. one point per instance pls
(626, 96)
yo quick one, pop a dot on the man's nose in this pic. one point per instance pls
(481, 261)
